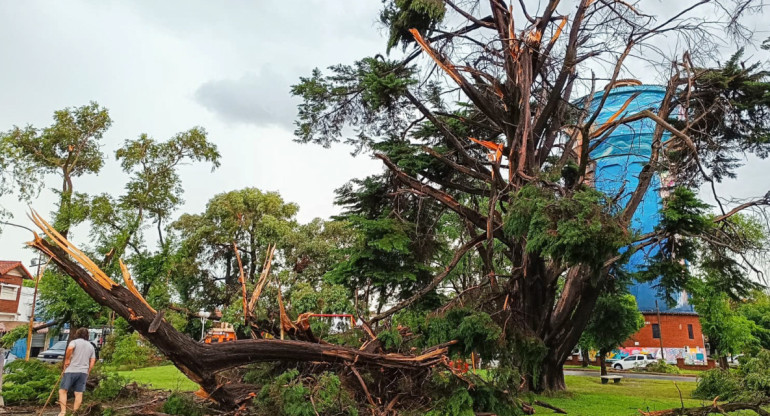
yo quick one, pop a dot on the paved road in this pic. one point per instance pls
(628, 374)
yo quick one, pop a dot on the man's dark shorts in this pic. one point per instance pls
(74, 382)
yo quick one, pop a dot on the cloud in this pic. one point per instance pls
(260, 99)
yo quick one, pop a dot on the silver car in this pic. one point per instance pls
(54, 354)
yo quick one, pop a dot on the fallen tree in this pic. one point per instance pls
(203, 362)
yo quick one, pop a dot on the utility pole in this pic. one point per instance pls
(32, 312)
(660, 331)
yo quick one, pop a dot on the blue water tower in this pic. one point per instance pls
(619, 160)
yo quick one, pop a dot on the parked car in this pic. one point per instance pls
(57, 350)
(633, 361)
(54, 354)
(734, 361)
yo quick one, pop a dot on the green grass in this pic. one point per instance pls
(166, 377)
(587, 396)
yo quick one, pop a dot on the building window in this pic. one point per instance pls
(656, 331)
(8, 292)
(690, 332)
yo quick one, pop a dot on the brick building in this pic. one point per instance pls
(12, 275)
(675, 330)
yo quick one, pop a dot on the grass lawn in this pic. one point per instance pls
(165, 377)
(587, 396)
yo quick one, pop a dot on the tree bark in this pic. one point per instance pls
(551, 375)
(586, 358)
(602, 362)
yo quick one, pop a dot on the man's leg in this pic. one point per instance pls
(62, 402)
(80, 386)
(78, 400)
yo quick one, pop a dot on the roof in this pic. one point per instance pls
(668, 312)
(6, 266)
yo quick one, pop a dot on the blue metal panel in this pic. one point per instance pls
(619, 160)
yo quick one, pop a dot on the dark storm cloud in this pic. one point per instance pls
(261, 100)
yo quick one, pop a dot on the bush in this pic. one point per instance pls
(717, 382)
(660, 366)
(111, 386)
(131, 352)
(290, 395)
(29, 382)
(181, 404)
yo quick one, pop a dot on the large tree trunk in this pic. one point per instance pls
(552, 375)
(201, 362)
(586, 357)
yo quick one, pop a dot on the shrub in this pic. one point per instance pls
(291, 395)
(29, 381)
(111, 386)
(717, 382)
(132, 352)
(181, 404)
(660, 366)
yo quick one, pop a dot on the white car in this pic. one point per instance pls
(633, 361)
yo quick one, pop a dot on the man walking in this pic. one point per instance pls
(79, 359)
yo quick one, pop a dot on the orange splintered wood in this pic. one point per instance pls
(495, 147)
(130, 284)
(446, 66)
(262, 278)
(558, 30)
(242, 280)
(98, 275)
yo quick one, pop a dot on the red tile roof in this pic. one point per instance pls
(6, 266)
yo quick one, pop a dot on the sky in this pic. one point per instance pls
(164, 67)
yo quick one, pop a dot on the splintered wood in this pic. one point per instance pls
(98, 275)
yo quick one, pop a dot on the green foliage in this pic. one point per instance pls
(131, 352)
(401, 15)
(717, 382)
(756, 308)
(290, 395)
(63, 299)
(749, 382)
(683, 217)
(29, 382)
(251, 218)
(474, 331)
(615, 318)
(660, 366)
(183, 405)
(10, 337)
(579, 229)
(368, 95)
(391, 339)
(111, 386)
(738, 124)
(459, 403)
(728, 332)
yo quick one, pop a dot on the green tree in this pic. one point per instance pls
(756, 308)
(727, 331)
(615, 318)
(69, 148)
(479, 120)
(207, 272)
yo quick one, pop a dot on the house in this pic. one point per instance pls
(12, 275)
(675, 329)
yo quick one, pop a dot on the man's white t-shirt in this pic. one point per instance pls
(81, 356)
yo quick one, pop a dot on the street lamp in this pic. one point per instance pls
(203, 315)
